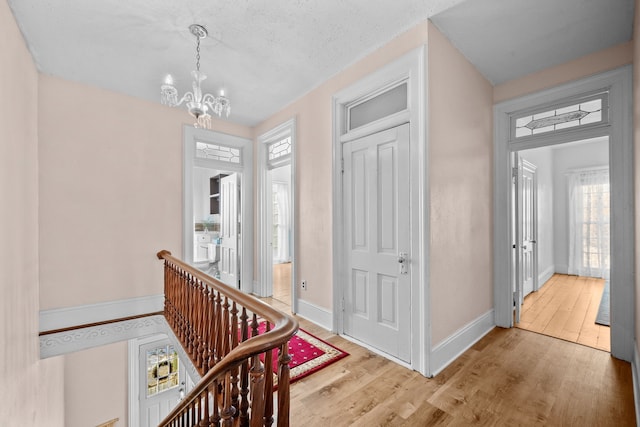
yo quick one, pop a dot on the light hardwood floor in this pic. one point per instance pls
(566, 307)
(511, 377)
(282, 282)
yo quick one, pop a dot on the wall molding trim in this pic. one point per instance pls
(81, 339)
(60, 318)
(460, 341)
(315, 314)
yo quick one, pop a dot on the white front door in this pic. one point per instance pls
(229, 230)
(377, 298)
(161, 378)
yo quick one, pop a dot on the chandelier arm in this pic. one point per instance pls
(187, 97)
(209, 99)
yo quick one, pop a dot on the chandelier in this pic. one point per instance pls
(198, 104)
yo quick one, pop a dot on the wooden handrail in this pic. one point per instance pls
(237, 385)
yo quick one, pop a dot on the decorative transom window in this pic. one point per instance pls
(279, 152)
(382, 104)
(279, 149)
(223, 153)
(591, 110)
(162, 369)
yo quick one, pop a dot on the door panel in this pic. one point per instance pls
(376, 191)
(229, 230)
(160, 384)
(526, 262)
(529, 222)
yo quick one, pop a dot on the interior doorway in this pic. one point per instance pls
(572, 235)
(281, 236)
(218, 206)
(592, 107)
(277, 215)
(380, 105)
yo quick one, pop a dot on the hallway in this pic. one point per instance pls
(566, 307)
(510, 377)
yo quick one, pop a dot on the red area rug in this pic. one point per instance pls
(308, 354)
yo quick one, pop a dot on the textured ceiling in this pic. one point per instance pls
(506, 39)
(267, 53)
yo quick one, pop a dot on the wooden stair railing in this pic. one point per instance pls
(218, 327)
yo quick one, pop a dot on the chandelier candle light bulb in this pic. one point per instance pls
(197, 103)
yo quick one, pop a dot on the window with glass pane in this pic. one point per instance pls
(389, 102)
(596, 227)
(276, 220)
(279, 149)
(162, 369)
(589, 111)
(589, 223)
(205, 150)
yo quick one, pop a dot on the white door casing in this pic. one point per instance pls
(229, 230)
(376, 200)
(265, 276)
(618, 127)
(241, 164)
(409, 68)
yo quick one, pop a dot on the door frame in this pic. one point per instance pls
(133, 370)
(411, 68)
(265, 253)
(619, 130)
(191, 136)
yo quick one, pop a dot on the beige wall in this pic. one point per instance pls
(313, 157)
(30, 389)
(636, 136)
(587, 65)
(460, 105)
(110, 176)
(460, 181)
(96, 386)
(110, 192)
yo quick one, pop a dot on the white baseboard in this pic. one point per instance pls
(562, 269)
(459, 342)
(635, 371)
(318, 315)
(546, 275)
(59, 318)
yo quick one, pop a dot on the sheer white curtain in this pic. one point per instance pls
(589, 230)
(282, 221)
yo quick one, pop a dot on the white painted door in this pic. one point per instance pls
(526, 259)
(377, 297)
(161, 378)
(229, 230)
(529, 222)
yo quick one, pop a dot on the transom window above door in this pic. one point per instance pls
(222, 153)
(590, 110)
(279, 152)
